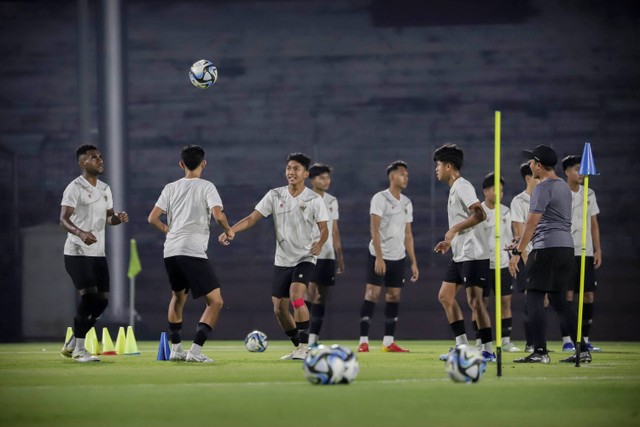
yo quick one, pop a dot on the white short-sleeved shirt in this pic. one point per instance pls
(188, 203)
(576, 219)
(331, 203)
(470, 244)
(395, 215)
(294, 220)
(520, 211)
(506, 235)
(90, 206)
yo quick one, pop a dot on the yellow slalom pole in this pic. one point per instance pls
(497, 270)
(583, 261)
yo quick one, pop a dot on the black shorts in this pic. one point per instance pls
(590, 281)
(521, 276)
(468, 273)
(550, 269)
(506, 283)
(325, 272)
(394, 276)
(88, 272)
(191, 273)
(283, 277)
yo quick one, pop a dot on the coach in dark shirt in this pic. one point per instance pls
(550, 267)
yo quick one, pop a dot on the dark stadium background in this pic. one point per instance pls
(356, 84)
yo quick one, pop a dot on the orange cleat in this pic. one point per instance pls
(394, 348)
(363, 348)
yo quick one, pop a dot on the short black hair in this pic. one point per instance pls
(192, 156)
(301, 158)
(525, 171)
(83, 150)
(395, 165)
(489, 180)
(449, 153)
(318, 169)
(570, 161)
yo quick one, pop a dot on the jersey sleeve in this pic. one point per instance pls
(163, 200)
(265, 206)
(518, 211)
(71, 195)
(593, 204)
(212, 196)
(409, 212)
(377, 205)
(539, 200)
(107, 192)
(467, 194)
(320, 213)
(335, 215)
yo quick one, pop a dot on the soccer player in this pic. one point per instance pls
(87, 206)
(506, 237)
(519, 211)
(330, 260)
(296, 210)
(468, 243)
(391, 215)
(571, 166)
(189, 204)
(550, 265)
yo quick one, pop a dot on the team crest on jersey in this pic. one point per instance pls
(303, 207)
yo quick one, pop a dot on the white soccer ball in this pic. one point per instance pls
(323, 366)
(465, 365)
(203, 74)
(256, 342)
(351, 365)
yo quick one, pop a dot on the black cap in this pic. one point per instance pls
(542, 154)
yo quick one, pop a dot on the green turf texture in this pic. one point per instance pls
(40, 388)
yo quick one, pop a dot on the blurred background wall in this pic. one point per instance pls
(355, 84)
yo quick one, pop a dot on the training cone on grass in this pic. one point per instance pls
(91, 342)
(131, 347)
(164, 351)
(69, 334)
(108, 348)
(120, 341)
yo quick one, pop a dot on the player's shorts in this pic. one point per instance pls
(88, 272)
(550, 269)
(283, 277)
(187, 273)
(394, 276)
(325, 272)
(590, 281)
(506, 283)
(521, 276)
(468, 273)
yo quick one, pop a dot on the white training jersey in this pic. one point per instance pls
(188, 203)
(470, 244)
(520, 212)
(328, 250)
(395, 215)
(506, 235)
(294, 220)
(576, 219)
(90, 206)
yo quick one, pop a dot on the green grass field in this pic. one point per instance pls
(40, 388)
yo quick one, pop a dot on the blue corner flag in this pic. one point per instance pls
(587, 165)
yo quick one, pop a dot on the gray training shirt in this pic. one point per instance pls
(552, 198)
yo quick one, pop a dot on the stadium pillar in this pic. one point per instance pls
(111, 81)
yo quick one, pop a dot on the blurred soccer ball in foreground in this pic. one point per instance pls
(465, 365)
(256, 342)
(203, 74)
(330, 365)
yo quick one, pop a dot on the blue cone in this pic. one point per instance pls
(587, 165)
(164, 351)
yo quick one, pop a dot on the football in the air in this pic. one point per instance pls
(203, 74)
(323, 366)
(465, 365)
(256, 341)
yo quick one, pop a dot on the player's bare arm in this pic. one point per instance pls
(408, 244)
(337, 246)
(316, 247)
(380, 267)
(65, 221)
(156, 222)
(529, 227)
(221, 219)
(476, 217)
(595, 236)
(242, 225)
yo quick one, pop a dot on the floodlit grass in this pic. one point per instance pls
(40, 388)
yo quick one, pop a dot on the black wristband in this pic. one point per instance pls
(515, 251)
